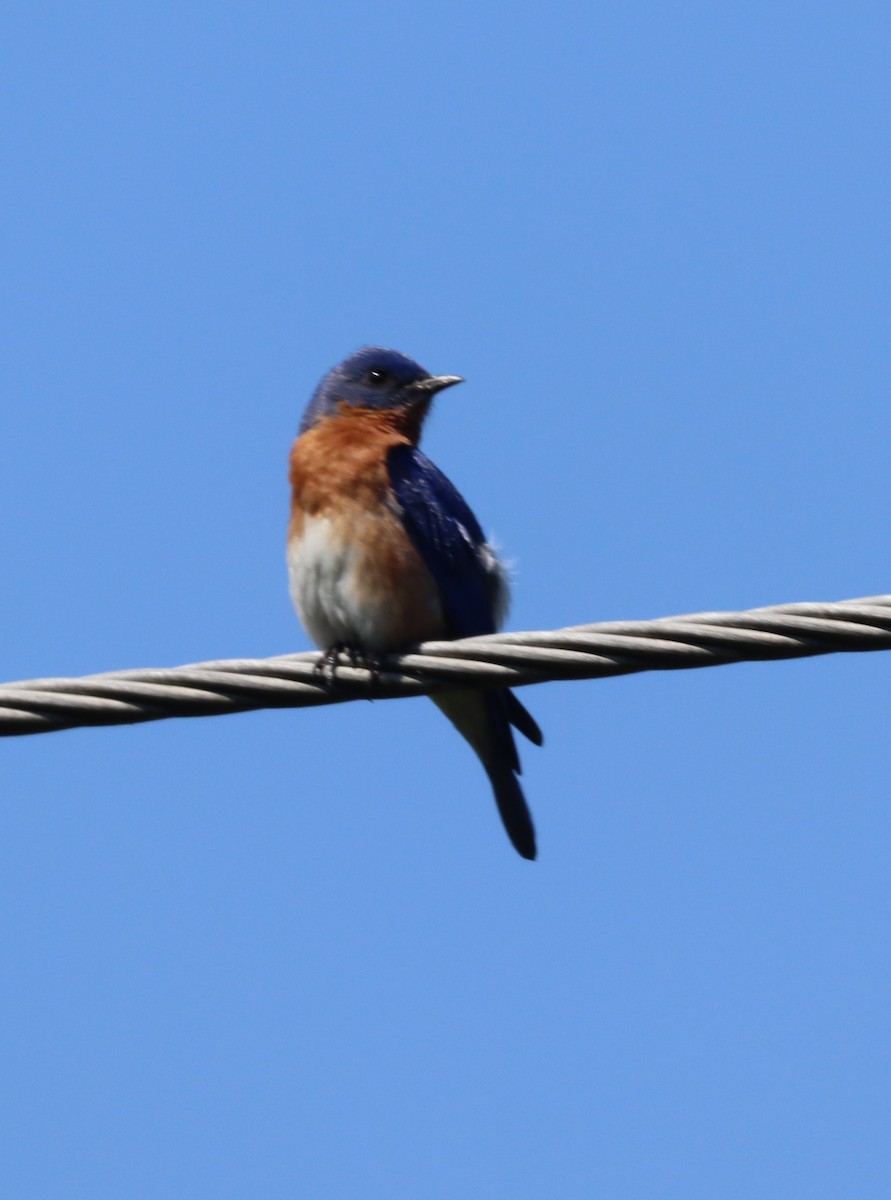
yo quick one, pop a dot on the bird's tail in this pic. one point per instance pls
(484, 719)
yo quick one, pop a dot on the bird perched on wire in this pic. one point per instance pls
(383, 551)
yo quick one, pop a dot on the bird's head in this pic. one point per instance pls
(375, 378)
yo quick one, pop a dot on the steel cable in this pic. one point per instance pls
(513, 659)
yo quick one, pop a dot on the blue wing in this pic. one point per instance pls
(448, 538)
(450, 541)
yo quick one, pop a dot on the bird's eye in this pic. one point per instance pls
(378, 377)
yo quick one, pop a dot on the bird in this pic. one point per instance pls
(383, 552)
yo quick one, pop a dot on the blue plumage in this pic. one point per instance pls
(449, 539)
(383, 397)
(373, 378)
(473, 594)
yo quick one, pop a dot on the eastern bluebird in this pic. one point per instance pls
(384, 552)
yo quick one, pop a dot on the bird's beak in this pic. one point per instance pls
(426, 389)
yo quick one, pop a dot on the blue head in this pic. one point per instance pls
(374, 378)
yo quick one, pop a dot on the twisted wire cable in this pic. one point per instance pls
(507, 659)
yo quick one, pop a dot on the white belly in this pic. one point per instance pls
(322, 572)
(342, 596)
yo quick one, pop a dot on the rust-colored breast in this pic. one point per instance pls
(339, 475)
(343, 460)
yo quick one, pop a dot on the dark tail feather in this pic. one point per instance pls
(523, 720)
(485, 719)
(513, 810)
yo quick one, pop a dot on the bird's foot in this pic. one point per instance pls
(326, 667)
(356, 656)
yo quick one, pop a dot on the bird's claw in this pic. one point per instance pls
(356, 656)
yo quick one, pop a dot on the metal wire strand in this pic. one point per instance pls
(514, 659)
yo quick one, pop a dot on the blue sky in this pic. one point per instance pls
(291, 953)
